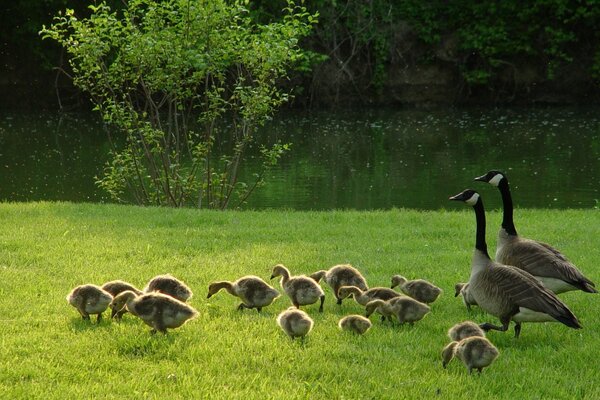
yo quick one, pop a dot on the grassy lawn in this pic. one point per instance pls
(47, 351)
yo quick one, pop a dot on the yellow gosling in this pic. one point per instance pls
(355, 324)
(341, 275)
(475, 352)
(252, 290)
(301, 289)
(295, 323)
(419, 289)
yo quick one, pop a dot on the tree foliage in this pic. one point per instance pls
(187, 83)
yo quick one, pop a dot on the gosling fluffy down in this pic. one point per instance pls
(475, 352)
(301, 289)
(252, 290)
(464, 330)
(116, 287)
(295, 322)
(89, 299)
(341, 275)
(355, 323)
(169, 285)
(157, 310)
(419, 289)
(404, 308)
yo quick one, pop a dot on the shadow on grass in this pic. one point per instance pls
(142, 344)
(82, 325)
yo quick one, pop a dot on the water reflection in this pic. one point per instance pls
(359, 160)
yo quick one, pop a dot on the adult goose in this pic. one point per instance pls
(541, 260)
(507, 292)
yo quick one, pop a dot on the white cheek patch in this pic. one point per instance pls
(473, 199)
(496, 179)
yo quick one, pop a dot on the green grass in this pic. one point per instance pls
(47, 351)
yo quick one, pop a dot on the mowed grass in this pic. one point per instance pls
(47, 351)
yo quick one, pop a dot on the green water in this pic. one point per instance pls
(360, 159)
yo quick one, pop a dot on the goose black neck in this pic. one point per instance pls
(507, 218)
(480, 243)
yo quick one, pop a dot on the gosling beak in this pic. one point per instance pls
(208, 296)
(272, 276)
(456, 294)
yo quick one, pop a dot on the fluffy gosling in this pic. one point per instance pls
(475, 352)
(301, 289)
(116, 287)
(341, 275)
(295, 323)
(355, 324)
(464, 330)
(253, 291)
(419, 289)
(89, 299)
(157, 310)
(169, 285)
(405, 309)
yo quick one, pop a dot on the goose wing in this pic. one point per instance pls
(523, 290)
(543, 260)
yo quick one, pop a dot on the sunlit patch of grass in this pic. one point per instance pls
(48, 351)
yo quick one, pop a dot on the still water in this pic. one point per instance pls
(360, 159)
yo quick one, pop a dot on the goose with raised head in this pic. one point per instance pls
(355, 323)
(89, 299)
(475, 352)
(295, 323)
(404, 308)
(301, 289)
(341, 275)
(169, 285)
(540, 259)
(116, 287)
(419, 289)
(464, 330)
(462, 289)
(157, 310)
(362, 297)
(509, 293)
(252, 290)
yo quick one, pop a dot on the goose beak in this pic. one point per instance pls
(455, 197)
(481, 178)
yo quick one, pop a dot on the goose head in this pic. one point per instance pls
(468, 196)
(120, 301)
(279, 270)
(398, 280)
(493, 177)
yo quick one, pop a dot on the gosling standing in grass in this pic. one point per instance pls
(157, 310)
(418, 289)
(89, 299)
(341, 275)
(295, 323)
(355, 324)
(404, 308)
(464, 330)
(301, 289)
(253, 291)
(116, 287)
(362, 297)
(169, 285)
(475, 352)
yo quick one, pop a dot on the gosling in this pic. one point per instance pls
(301, 289)
(295, 323)
(116, 287)
(475, 352)
(355, 323)
(157, 310)
(362, 297)
(341, 275)
(253, 291)
(464, 330)
(405, 309)
(419, 289)
(462, 289)
(169, 285)
(90, 299)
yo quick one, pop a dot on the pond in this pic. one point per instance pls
(359, 159)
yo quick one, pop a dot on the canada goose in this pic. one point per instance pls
(541, 260)
(341, 275)
(157, 310)
(464, 330)
(418, 289)
(362, 297)
(404, 308)
(355, 323)
(295, 322)
(462, 289)
(301, 289)
(169, 285)
(475, 352)
(89, 299)
(508, 292)
(253, 291)
(116, 287)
